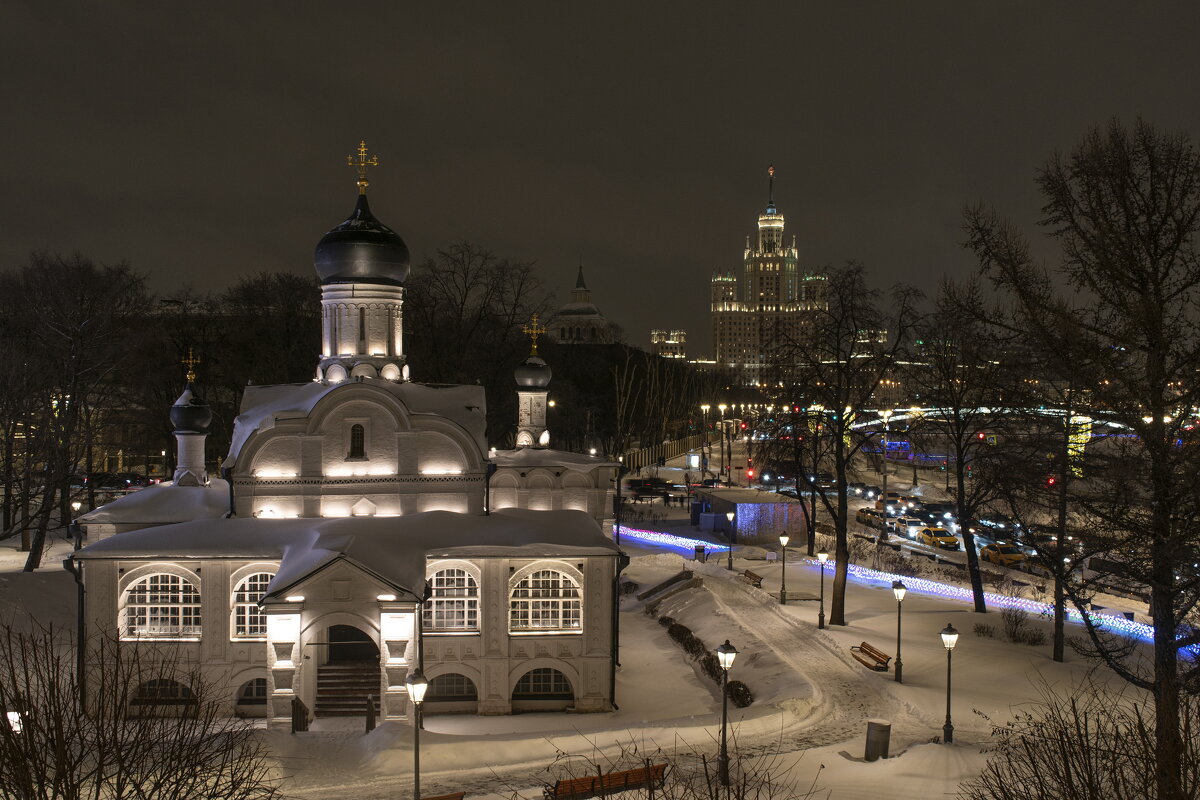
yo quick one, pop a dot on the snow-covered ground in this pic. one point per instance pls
(812, 700)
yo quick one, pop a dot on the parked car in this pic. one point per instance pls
(938, 537)
(869, 517)
(1005, 555)
(908, 526)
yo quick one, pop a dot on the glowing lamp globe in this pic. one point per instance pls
(898, 588)
(726, 653)
(949, 637)
(416, 686)
(784, 539)
(822, 556)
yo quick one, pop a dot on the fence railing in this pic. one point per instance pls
(649, 456)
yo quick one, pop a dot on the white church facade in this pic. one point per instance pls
(361, 528)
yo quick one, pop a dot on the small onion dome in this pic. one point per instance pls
(362, 249)
(191, 414)
(533, 373)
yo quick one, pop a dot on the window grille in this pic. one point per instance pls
(546, 600)
(454, 602)
(162, 606)
(249, 621)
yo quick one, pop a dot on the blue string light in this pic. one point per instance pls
(681, 543)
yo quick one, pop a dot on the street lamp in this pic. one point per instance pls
(416, 692)
(822, 557)
(949, 639)
(783, 543)
(704, 442)
(898, 589)
(730, 516)
(726, 653)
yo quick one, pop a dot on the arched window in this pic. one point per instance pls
(163, 692)
(249, 621)
(543, 683)
(454, 602)
(253, 693)
(451, 687)
(546, 600)
(358, 445)
(162, 606)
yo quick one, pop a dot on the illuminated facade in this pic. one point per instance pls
(359, 513)
(765, 304)
(668, 344)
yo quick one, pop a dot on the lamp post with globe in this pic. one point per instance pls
(416, 691)
(949, 639)
(822, 557)
(726, 653)
(783, 543)
(730, 517)
(898, 589)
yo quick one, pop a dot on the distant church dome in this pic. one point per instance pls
(362, 250)
(191, 414)
(533, 373)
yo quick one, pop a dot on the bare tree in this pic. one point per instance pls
(1124, 206)
(149, 727)
(962, 377)
(842, 356)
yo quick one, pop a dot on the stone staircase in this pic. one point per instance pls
(343, 687)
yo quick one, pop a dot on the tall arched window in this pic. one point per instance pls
(358, 443)
(249, 621)
(543, 683)
(453, 604)
(546, 600)
(162, 606)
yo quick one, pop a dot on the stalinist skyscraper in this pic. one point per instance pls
(757, 308)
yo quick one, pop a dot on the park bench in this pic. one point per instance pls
(649, 777)
(868, 656)
(753, 579)
(452, 796)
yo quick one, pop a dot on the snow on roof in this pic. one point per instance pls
(262, 405)
(746, 496)
(164, 503)
(529, 457)
(392, 548)
(577, 309)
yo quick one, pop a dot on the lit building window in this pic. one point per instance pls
(454, 602)
(450, 687)
(249, 621)
(162, 606)
(546, 600)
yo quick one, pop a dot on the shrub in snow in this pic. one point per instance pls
(985, 630)
(666, 622)
(739, 694)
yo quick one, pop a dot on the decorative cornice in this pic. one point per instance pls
(356, 480)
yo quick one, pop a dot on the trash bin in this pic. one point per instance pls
(879, 733)
(701, 553)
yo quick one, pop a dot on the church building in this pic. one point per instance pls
(362, 528)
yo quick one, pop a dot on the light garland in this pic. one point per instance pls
(681, 543)
(1107, 622)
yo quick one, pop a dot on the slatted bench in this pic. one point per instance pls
(752, 579)
(871, 657)
(648, 777)
(454, 796)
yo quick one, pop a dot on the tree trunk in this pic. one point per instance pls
(968, 538)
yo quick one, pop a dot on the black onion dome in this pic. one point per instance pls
(533, 373)
(191, 414)
(362, 249)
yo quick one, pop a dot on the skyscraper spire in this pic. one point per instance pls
(771, 186)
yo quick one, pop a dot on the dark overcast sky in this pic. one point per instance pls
(206, 141)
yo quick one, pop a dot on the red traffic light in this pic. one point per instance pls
(1051, 480)
(981, 435)
(749, 473)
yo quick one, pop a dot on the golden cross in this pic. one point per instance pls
(361, 164)
(534, 330)
(190, 362)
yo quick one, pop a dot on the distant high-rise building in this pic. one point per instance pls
(668, 344)
(767, 302)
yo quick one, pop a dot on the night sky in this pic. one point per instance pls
(206, 141)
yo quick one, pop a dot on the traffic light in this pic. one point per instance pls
(749, 473)
(743, 426)
(981, 436)
(943, 465)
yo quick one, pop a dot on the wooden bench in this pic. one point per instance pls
(454, 796)
(650, 777)
(869, 656)
(752, 579)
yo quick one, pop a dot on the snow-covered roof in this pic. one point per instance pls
(263, 405)
(577, 309)
(530, 457)
(394, 549)
(746, 496)
(162, 504)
